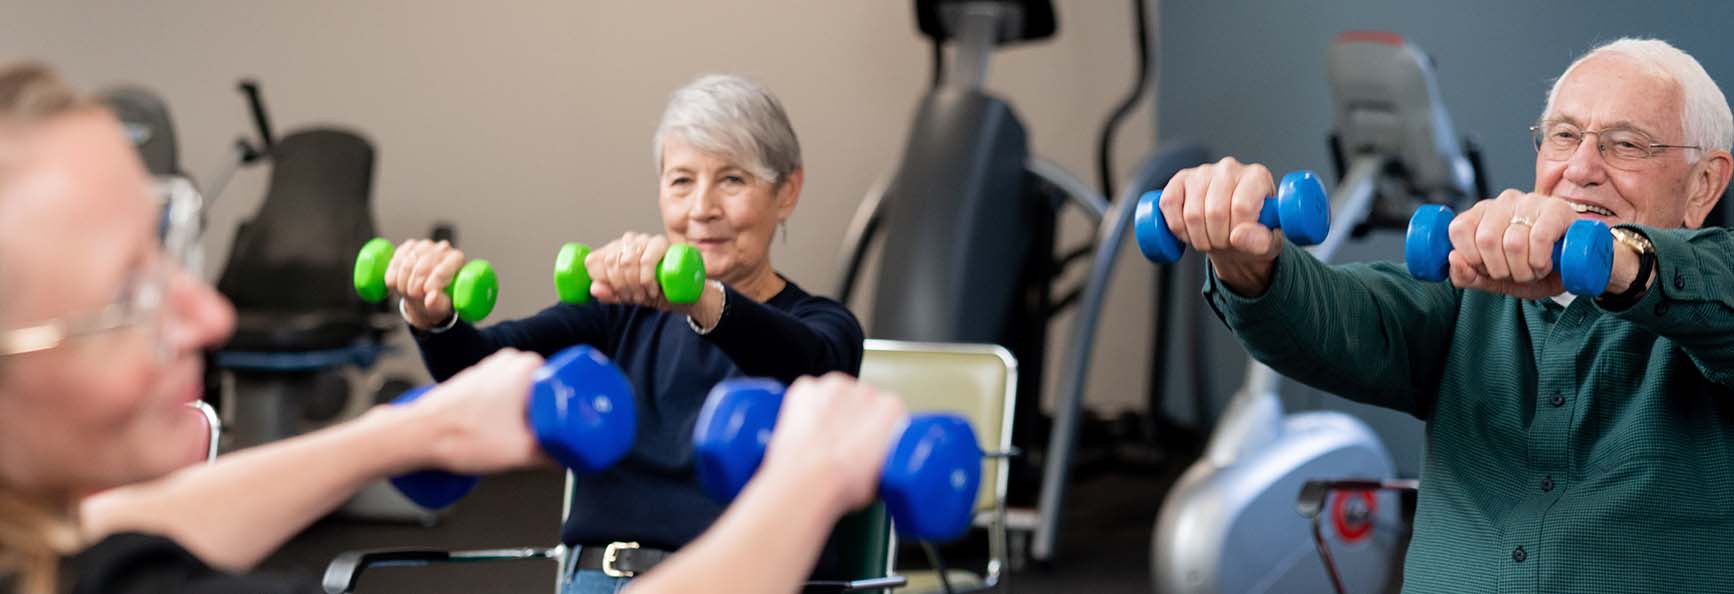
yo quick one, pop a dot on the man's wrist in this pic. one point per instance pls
(1632, 270)
(1248, 280)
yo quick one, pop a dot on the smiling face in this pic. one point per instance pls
(713, 202)
(78, 230)
(1667, 190)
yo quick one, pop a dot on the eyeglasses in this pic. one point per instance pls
(1623, 148)
(141, 298)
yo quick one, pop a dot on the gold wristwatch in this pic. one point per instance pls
(1646, 252)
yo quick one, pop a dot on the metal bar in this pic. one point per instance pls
(1078, 191)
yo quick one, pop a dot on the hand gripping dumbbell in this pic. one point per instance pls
(681, 274)
(928, 484)
(1584, 257)
(473, 290)
(1300, 208)
(581, 411)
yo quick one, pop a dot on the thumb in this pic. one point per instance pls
(1253, 239)
(436, 303)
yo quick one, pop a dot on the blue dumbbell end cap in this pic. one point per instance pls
(431, 489)
(1154, 239)
(1586, 258)
(930, 479)
(1427, 246)
(582, 410)
(733, 428)
(1304, 208)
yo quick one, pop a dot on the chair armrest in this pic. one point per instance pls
(345, 570)
(881, 583)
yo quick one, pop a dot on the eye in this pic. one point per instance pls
(734, 179)
(680, 181)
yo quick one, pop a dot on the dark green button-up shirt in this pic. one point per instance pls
(1569, 449)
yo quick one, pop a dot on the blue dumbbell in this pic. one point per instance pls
(928, 484)
(1300, 208)
(582, 413)
(1584, 257)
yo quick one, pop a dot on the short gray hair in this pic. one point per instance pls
(1705, 117)
(734, 116)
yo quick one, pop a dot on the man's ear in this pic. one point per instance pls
(1709, 178)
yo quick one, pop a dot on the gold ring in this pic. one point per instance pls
(1522, 220)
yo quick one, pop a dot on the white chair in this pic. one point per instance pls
(978, 381)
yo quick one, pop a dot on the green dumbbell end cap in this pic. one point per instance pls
(571, 278)
(681, 274)
(474, 291)
(370, 265)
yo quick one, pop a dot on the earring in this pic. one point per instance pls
(784, 226)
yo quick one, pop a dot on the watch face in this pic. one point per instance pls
(1634, 240)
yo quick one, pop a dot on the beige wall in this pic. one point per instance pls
(529, 123)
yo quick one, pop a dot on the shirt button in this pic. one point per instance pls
(1679, 281)
(1558, 400)
(1518, 555)
(1546, 484)
(1661, 309)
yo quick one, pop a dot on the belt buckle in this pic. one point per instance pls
(611, 555)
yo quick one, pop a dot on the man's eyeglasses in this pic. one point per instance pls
(1623, 148)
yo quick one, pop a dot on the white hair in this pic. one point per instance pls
(1704, 114)
(734, 116)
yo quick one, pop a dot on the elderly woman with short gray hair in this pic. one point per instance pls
(729, 172)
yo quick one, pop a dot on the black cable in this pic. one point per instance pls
(938, 565)
(938, 62)
(1105, 147)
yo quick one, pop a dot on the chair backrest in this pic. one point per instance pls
(315, 216)
(978, 381)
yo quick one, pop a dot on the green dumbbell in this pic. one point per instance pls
(681, 274)
(473, 290)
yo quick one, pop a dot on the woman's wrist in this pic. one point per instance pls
(708, 310)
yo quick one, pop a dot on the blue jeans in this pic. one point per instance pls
(592, 581)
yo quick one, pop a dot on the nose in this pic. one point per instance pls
(705, 203)
(1587, 167)
(199, 318)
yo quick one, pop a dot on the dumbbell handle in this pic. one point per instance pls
(930, 478)
(581, 411)
(680, 273)
(473, 290)
(1299, 193)
(1583, 256)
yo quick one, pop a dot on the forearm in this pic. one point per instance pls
(1690, 296)
(1369, 333)
(236, 511)
(767, 541)
(765, 341)
(546, 333)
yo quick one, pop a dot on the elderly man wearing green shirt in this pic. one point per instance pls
(1573, 445)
